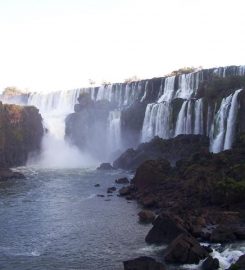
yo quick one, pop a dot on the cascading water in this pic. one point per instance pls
(231, 121)
(181, 120)
(171, 106)
(114, 132)
(190, 118)
(223, 128)
(56, 151)
(198, 128)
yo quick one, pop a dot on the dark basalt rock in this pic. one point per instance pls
(151, 173)
(185, 250)
(143, 263)
(105, 166)
(125, 191)
(123, 180)
(210, 264)
(149, 201)
(86, 127)
(173, 150)
(146, 216)
(239, 265)
(111, 189)
(227, 233)
(166, 227)
(6, 174)
(21, 133)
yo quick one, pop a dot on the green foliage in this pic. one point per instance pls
(184, 70)
(230, 189)
(18, 135)
(235, 267)
(132, 79)
(12, 91)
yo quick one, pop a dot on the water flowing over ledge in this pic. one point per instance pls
(172, 105)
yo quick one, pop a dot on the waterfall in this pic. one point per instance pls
(188, 84)
(172, 108)
(168, 90)
(231, 121)
(181, 120)
(114, 132)
(224, 124)
(188, 127)
(148, 131)
(54, 107)
(198, 128)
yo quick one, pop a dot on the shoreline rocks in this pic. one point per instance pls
(105, 166)
(6, 174)
(201, 197)
(143, 263)
(172, 150)
(185, 249)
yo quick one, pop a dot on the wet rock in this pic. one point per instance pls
(149, 201)
(223, 234)
(123, 180)
(97, 185)
(239, 233)
(185, 249)
(143, 263)
(21, 133)
(130, 197)
(124, 191)
(239, 265)
(166, 227)
(6, 174)
(172, 149)
(105, 166)
(146, 216)
(151, 173)
(111, 189)
(210, 264)
(208, 248)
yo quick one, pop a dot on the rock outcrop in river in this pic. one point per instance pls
(21, 133)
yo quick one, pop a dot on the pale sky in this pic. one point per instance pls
(49, 45)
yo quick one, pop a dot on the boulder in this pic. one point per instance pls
(210, 263)
(166, 227)
(143, 263)
(6, 174)
(173, 150)
(223, 234)
(146, 216)
(100, 195)
(185, 249)
(21, 133)
(239, 265)
(151, 173)
(111, 189)
(123, 180)
(149, 201)
(124, 191)
(105, 166)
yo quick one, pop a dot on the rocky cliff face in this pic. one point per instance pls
(180, 147)
(207, 102)
(21, 132)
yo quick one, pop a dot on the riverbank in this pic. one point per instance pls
(200, 198)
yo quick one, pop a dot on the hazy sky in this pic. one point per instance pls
(61, 44)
